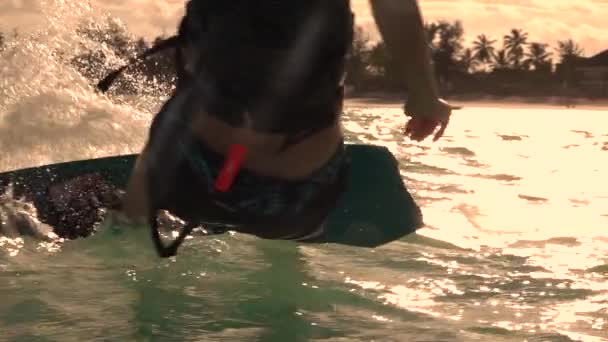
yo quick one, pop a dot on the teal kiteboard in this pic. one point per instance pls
(375, 209)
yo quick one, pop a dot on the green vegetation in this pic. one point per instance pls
(513, 67)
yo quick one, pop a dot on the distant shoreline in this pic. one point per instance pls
(556, 102)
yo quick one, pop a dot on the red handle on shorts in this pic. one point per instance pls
(231, 167)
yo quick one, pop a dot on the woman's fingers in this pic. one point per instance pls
(419, 129)
(441, 130)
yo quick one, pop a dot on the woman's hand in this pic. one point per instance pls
(426, 116)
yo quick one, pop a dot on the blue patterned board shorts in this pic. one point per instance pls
(259, 195)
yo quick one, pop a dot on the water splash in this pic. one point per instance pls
(19, 221)
(49, 111)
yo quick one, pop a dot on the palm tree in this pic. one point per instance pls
(501, 60)
(467, 60)
(431, 30)
(514, 44)
(385, 66)
(357, 59)
(483, 49)
(538, 57)
(568, 49)
(447, 47)
(450, 36)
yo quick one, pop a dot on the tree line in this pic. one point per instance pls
(509, 65)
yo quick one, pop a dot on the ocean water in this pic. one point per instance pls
(515, 200)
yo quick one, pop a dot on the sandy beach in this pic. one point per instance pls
(553, 102)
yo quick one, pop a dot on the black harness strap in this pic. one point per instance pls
(170, 250)
(169, 125)
(169, 43)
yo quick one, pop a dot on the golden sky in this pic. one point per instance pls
(545, 20)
